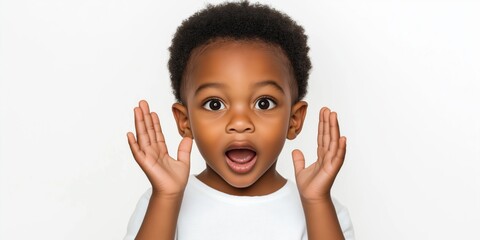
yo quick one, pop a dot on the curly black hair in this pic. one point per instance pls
(240, 21)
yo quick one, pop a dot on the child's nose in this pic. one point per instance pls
(240, 123)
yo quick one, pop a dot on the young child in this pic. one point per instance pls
(239, 73)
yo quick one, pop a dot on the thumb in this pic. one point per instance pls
(298, 161)
(184, 150)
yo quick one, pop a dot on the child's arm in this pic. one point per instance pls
(314, 182)
(167, 175)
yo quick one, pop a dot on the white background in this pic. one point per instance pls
(404, 77)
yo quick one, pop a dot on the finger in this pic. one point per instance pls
(298, 161)
(334, 136)
(159, 134)
(184, 150)
(330, 155)
(142, 135)
(320, 128)
(326, 129)
(334, 130)
(138, 154)
(340, 155)
(148, 121)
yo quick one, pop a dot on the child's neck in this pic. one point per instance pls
(269, 182)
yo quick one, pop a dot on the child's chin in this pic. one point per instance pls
(240, 181)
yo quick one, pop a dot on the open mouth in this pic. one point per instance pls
(241, 155)
(241, 160)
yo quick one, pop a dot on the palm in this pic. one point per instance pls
(167, 175)
(315, 181)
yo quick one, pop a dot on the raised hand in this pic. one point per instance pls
(167, 175)
(314, 182)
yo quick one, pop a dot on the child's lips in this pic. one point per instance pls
(241, 165)
(240, 157)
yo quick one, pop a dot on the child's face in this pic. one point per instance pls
(239, 111)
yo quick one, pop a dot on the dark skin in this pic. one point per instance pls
(238, 94)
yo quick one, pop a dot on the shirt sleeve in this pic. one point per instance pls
(137, 217)
(344, 220)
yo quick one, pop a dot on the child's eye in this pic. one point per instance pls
(213, 105)
(265, 103)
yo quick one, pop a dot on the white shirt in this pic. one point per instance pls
(207, 213)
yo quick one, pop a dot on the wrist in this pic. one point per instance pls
(318, 201)
(171, 197)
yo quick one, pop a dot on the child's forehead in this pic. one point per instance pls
(222, 53)
(217, 54)
(222, 44)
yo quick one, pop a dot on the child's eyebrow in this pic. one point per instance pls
(207, 85)
(269, 83)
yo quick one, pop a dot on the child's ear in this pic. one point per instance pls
(180, 113)
(299, 110)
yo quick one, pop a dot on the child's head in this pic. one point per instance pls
(239, 72)
(235, 22)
